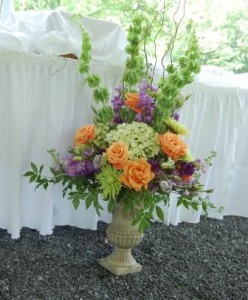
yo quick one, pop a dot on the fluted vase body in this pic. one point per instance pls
(124, 237)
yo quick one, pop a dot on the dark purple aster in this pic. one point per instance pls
(186, 168)
(155, 165)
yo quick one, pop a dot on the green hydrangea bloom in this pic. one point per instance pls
(100, 135)
(141, 139)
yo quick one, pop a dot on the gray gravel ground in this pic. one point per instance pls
(208, 260)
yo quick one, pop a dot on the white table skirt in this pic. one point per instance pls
(43, 102)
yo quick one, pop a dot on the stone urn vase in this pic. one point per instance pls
(123, 236)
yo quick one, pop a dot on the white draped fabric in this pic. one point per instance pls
(6, 8)
(43, 102)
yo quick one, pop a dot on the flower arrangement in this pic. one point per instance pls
(135, 151)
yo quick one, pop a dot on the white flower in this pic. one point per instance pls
(166, 186)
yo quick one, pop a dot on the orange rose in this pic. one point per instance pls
(137, 174)
(132, 101)
(117, 154)
(172, 145)
(84, 135)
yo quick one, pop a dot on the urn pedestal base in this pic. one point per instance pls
(120, 262)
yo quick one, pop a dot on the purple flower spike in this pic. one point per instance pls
(76, 168)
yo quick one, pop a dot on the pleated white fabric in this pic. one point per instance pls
(43, 102)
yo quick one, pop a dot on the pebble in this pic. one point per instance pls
(208, 260)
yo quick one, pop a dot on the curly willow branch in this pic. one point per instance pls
(172, 41)
(154, 41)
(227, 44)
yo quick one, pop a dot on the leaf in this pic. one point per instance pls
(137, 219)
(111, 205)
(45, 185)
(160, 213)
(29, 173)
(33, 166)
(41, 168)
(179, 201)
(88, 202)
(76, 203)
(32, 178)
(204, 206)
(194, 205)
(185, 203)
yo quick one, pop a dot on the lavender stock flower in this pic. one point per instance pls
(118, 103)
(145, 86)
(75, 168)
(147, 104)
